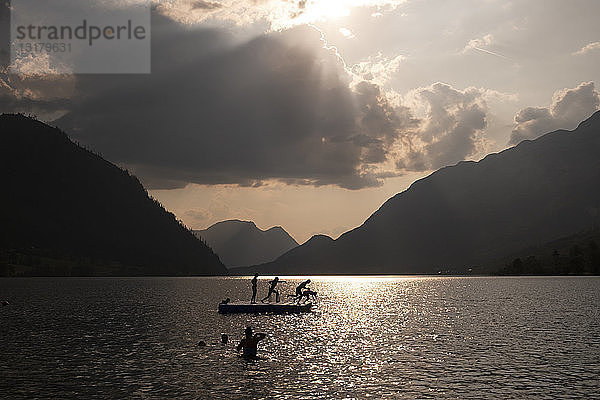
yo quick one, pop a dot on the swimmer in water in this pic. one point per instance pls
(250, 343)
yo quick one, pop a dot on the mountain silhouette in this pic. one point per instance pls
(65, 210)
(471, 213)
(243, 243)
(310, 252)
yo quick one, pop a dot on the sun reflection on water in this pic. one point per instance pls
(369, 336)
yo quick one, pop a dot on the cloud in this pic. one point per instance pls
(569, 107)
(479, 43)
(47, 96)
(347, 33)
(453, 129)
(278, 14)
(197, 217)
(587, 48)
(273, 108)
(377, 69)
(31, 91)
(4, 34)
(483, 45)
(206, 5)
(226, 113)
(217, 110)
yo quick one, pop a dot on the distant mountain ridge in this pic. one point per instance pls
(471, 213)
(309, 251)
(240, 243)
(65, 210)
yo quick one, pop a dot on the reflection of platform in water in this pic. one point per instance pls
(275, 308)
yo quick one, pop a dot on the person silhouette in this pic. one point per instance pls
(300, 288)
(254, 283)
(250, 342)
(272, 290)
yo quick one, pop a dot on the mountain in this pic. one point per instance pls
(285, 265)
(576, 254)
(472, 213)
(243, 243)
(65, 210)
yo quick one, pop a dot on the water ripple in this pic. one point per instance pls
(376, 337)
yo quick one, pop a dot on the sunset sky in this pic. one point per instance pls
(310, 114)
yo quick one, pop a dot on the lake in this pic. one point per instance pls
(368, 337)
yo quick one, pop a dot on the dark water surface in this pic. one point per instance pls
(375, 337)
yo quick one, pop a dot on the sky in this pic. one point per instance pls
(310, 114)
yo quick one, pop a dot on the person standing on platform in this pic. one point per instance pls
(254, 284)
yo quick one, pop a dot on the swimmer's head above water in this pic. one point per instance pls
(248, 331)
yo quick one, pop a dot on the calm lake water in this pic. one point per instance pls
(375, 337)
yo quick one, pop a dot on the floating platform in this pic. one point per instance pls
(259, 308)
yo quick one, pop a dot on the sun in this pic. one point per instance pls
(327, 9)
(288, 14)
(285, 15)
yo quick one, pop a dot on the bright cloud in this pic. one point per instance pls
(279, 14)
(569, 107)
(347, 33)
(587, 48)
(479, 43)
(452, 129)
(377, 69)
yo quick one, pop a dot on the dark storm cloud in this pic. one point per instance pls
(43, 96)
(40, 108)
(569, 107)
(214, 112)
(4, 34)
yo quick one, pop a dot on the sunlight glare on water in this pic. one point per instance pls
(368, 337)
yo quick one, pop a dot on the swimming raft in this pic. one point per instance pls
(259, 308)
